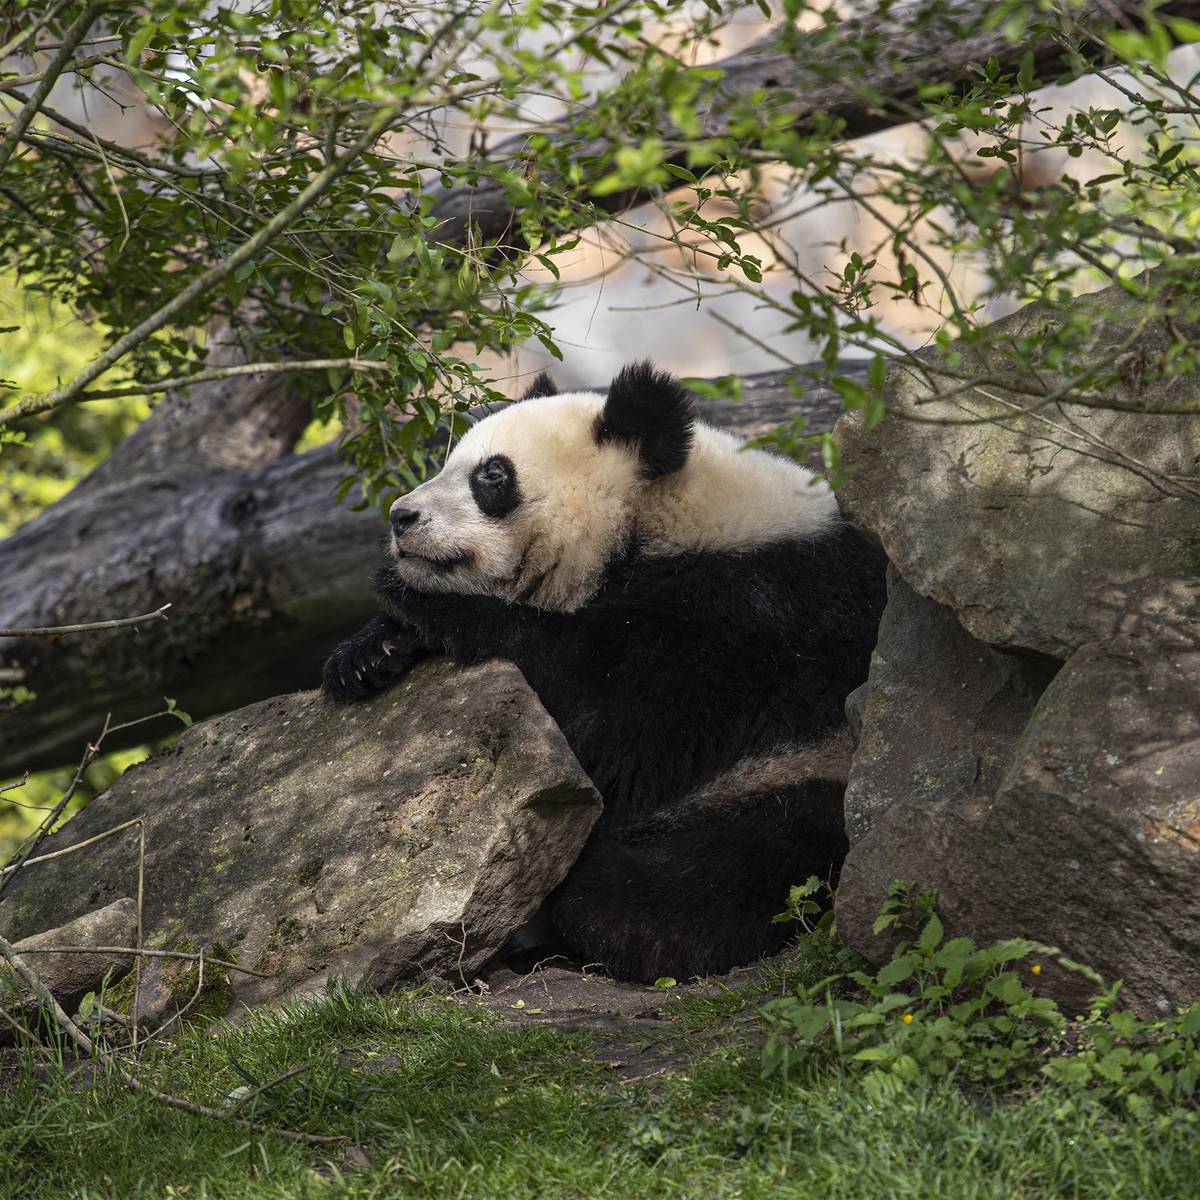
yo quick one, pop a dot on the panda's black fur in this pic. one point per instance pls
(677, 669)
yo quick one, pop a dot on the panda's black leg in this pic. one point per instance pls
(649, 899)
(464, 628)
(376, 656)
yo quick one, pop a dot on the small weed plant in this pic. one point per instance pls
(945, 1007)
(1151, 1068)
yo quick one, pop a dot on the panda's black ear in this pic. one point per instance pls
(543, 385)
(652, 411)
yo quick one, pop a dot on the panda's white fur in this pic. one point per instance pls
(581, 499)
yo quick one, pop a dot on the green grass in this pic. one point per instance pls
(445, 1101)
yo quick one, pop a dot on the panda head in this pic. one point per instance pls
(538, 498)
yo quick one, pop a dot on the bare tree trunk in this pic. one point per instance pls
(204, 508)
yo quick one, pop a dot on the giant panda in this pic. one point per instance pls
(691, 613)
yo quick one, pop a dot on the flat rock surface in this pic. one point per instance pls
(393, 839)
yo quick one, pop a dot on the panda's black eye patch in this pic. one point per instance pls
(494, 486)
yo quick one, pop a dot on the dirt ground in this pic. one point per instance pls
(635, 1026)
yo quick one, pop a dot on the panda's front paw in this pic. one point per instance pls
(370, 661)
(346, 678)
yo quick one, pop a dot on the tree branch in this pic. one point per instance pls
(204, 282)
(91, 140)
(144, 952)
(159, 614)
(29, 110)
(20, 81)
(866, 74)
(258, 368)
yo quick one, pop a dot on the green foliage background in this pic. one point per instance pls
(45, 342)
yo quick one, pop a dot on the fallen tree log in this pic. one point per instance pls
(204, 508)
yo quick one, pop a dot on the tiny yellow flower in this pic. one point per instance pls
(907, 1018)
(1036, 969)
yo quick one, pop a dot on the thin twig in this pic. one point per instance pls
(128, 153)
(146, 952)
(16, 1025)
(20, 81)
(259, 368)
(137, 962)
(159, 614)
(110, 1014)
(266, 1087)
(29, 110)
(93, 748)
(100, 837)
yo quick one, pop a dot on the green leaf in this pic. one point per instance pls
(1136, 47)
(1189, 1019)
(931, 936)
(897, 971)
(1026, 79)
(873, 411)
(853, 394)
(138, 43)
(874, 1054)
(807, 1021)
(400, 249)
(1184, 29)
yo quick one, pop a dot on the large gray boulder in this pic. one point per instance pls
(1069, 814)
(402, 837)
(1030, 731)
(940, 712)
(1035, 530)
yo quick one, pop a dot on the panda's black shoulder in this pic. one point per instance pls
(833, 577)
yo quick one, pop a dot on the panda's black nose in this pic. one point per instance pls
(402, 518)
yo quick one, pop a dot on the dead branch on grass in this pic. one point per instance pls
(145, 952)
(92, 1050)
